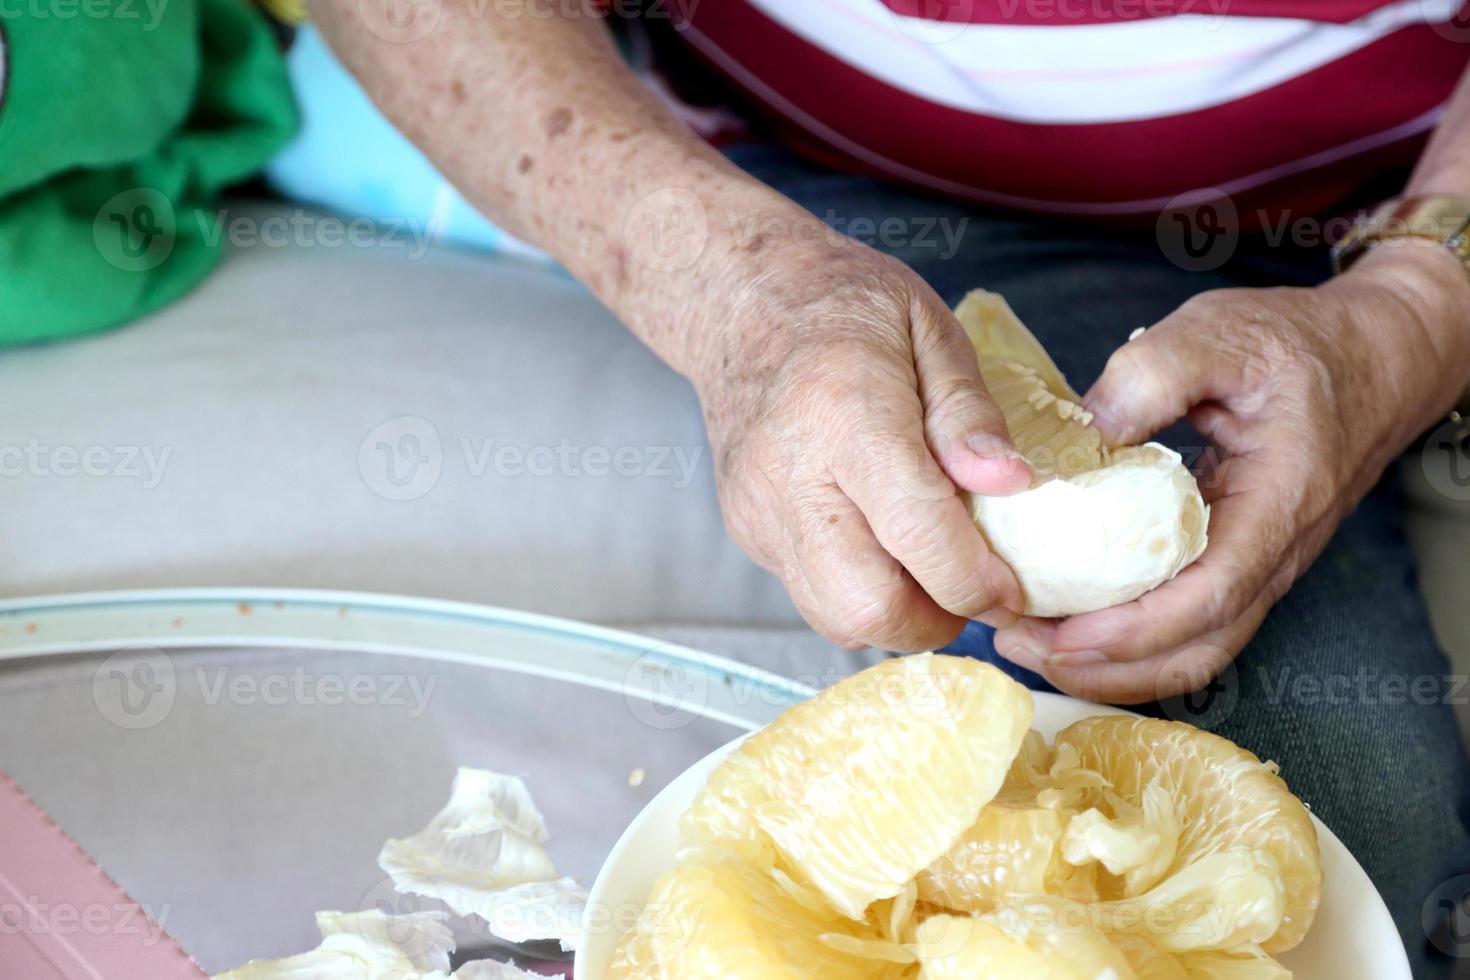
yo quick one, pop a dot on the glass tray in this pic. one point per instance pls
(236, 758)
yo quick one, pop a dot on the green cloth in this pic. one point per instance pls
(120, 123)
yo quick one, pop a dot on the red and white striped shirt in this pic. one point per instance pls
(1111, 108)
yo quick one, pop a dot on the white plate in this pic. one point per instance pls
(1353, 935)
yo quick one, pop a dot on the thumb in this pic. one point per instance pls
(1148, 384)
(965, 429)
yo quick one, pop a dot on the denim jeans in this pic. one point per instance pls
(1327, 686)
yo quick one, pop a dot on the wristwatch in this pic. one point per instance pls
(1441, 219)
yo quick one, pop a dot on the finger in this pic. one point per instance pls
(1184, 669)
(919, 519)
(1153, 380)
(965, 428)
(1026, 642)
(849, 587)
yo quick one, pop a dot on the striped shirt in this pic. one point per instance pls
(1108, 108)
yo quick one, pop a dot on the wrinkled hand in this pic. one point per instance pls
(1307, 395)
(845, 408)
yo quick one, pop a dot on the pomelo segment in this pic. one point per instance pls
(868, 783)
(1240, 826)
(1234, 966)
(1042, 940)
(1011, 850)
(1151, 963)
(726, 919)
(1147, 960)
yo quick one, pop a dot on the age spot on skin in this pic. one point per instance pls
(456, 90)
(524, 163)
(558, 122)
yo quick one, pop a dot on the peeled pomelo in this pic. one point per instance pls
(1147, 960)
(1245, 865)
(1010, 850)
(862, 787)
(726, 919)
(1099, 526)
(904, 824)
(1234, 966)
(1045, 940)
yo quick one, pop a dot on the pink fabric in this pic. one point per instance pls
(1300, 145)
(62, 917)
(1113, 11)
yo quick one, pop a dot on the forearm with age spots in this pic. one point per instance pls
(543, 128)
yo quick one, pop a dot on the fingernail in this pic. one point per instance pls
(988, 446)
(999, 618)
(1077, 658)
(1017, 646)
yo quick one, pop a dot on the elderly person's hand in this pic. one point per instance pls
(846, 410)
(1308, 394)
